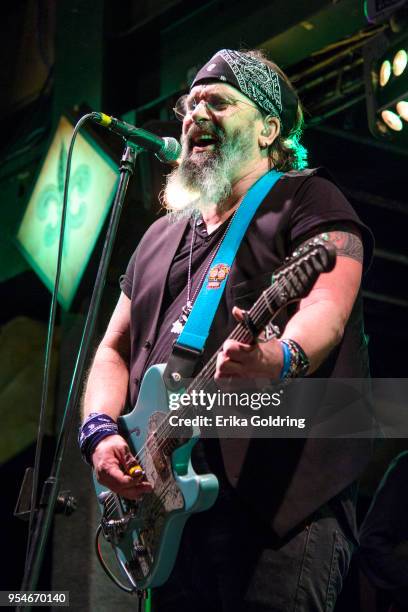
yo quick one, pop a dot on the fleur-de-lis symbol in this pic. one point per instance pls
(49, 205)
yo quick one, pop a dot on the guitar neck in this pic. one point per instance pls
(260, 314)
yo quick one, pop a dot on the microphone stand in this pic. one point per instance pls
(49, 495)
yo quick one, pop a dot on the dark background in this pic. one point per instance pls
(133, 59)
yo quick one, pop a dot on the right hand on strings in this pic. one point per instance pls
(112, 461)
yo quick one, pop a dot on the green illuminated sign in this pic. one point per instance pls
(92, 185)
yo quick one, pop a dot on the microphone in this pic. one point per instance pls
(167, 149)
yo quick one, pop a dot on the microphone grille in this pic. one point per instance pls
(170, 151)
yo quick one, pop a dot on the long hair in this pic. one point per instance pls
(286, 152)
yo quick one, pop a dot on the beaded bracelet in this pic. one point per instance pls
(295, 361)
(286, 360)
(95, 428)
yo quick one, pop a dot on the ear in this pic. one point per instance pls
(270, 131)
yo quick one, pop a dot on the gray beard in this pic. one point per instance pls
(205, 179)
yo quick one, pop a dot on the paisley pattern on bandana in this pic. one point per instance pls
(256, 80)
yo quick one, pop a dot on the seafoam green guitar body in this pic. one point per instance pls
(146, 535)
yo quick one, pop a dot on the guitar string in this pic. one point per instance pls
(156, 504)
(111, 505)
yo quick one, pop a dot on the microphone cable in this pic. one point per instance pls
(49, 343)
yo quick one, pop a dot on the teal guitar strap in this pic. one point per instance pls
(197, 327)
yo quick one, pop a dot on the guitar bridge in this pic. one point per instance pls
(115, 516)
(113, 530)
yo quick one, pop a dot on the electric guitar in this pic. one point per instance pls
(145, 534)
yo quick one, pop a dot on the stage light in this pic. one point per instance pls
(385, 73)
(402, 110)
(386, 82)
(399, 62)
(392, 120)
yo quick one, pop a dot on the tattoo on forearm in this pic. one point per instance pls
(347, 244)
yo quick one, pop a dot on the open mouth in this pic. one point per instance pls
(203, 142)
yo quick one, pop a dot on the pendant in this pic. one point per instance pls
(178, 325)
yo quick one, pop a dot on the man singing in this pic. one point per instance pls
(282, 530)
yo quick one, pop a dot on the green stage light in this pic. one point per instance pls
(92, 186)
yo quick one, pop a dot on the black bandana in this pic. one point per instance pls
(255, 80)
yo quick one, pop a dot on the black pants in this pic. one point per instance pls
(230, 562)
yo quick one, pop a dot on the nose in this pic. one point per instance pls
(198, 115)
(200, 112)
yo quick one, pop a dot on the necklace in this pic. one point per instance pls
(179, 324)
